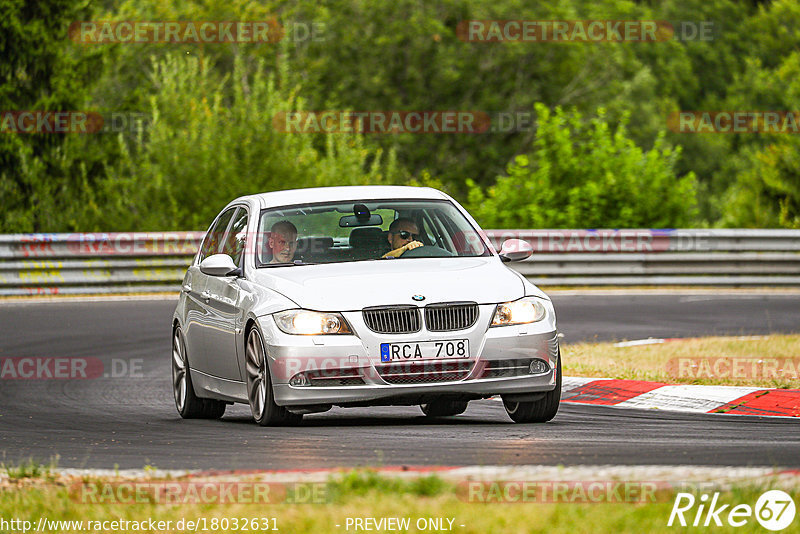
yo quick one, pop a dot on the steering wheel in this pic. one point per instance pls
(426, 251)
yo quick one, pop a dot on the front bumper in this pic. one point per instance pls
(358, 355)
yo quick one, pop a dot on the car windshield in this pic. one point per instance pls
(338, 232)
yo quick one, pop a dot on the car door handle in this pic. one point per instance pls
(206, 295)
(186, 288)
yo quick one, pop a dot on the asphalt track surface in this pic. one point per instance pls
(131, 422)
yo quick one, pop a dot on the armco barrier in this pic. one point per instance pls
(138, 262)
(141, 262)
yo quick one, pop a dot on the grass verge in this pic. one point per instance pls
(29, 469)
(762, 361)
(366, 494)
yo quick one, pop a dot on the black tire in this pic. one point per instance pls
(213, 409)
(189, 405)
(259, 386)
(444, 408)
(539, 411)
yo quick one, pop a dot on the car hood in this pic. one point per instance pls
(356, 285)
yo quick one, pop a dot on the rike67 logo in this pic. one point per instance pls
(774, 510)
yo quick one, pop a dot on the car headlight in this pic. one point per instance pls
(311, 323)
(525, 310)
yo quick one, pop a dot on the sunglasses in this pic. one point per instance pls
(407, 235)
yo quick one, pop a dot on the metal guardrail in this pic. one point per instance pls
(95, 263)
(143, 262)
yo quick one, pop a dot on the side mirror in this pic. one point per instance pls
(515, 250)
(219, 265)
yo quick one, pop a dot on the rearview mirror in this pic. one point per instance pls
(348, 221)
(515, 250)
(219, 265)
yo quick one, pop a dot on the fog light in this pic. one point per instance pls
(539, 367)
(300, 379)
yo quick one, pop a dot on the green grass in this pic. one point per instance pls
(779, 356)
(362, 482)
(28, 469)
(360, 494)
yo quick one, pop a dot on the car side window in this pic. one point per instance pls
(213, 238)
(236, 237)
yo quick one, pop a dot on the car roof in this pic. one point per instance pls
(344, 193)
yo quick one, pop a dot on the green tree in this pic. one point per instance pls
(39, 72)
(403, 55)
(406, 55)
(205, 148)
(766, 193)
(586, 174)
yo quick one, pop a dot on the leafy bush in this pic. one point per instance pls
(212, 139)
(586, 175)
(766, 193)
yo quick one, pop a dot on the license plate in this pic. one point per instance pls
(424, 350)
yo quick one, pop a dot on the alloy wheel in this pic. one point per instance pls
(179, 386)
(256, 374)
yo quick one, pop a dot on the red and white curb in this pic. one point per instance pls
(733, 400)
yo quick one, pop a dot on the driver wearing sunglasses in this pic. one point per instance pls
(403, 236)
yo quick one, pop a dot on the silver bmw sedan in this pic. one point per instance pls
(301, 300)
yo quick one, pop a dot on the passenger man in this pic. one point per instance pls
(282, 242)
(403, 236)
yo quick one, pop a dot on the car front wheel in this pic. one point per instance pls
(538, 411)
(259, 386)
